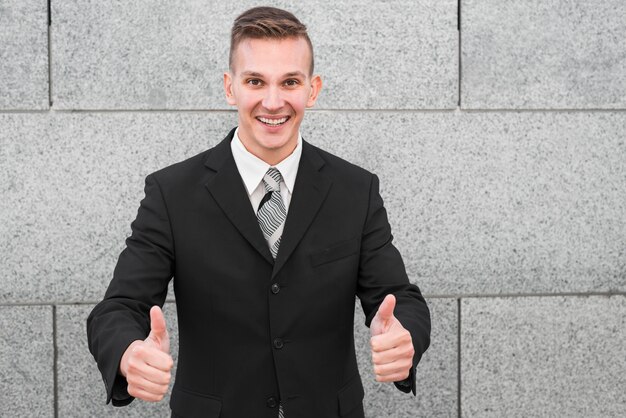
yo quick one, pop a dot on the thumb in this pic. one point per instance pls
(382, 320)
(385, 310)
(158, 329)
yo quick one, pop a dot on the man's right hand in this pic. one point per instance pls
(147, 364)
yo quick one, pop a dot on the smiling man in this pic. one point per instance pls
(268, 240)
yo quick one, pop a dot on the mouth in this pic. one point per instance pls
(273, 121)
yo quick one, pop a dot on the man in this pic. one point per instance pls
(268, 239)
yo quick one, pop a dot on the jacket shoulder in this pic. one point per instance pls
(195, 167)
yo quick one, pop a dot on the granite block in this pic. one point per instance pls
(437, 383)
(493, 203)
(534, 54)
(71, 184)
(397, 54)
(543, 356)
(23, 55)
(487, 203)
(26, 361)
(113, 55)
(81, 391)
(137, 55)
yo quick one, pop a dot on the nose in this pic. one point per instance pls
(273, 99)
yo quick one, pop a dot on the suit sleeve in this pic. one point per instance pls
(139, 282)
(381, 272)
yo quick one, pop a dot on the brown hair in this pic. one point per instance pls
(266, 22)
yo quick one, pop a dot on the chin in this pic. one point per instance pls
(275, 145)
(274, 140)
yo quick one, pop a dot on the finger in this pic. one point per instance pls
(139, 393)
(146, 385)
(387, 341)
(385, 310)
(381, 323)
(149, 373)
(160, 361)
(153, 357)
(158, 330)
(396, 353)
(392, 378)
(401, 366)
(157, 323)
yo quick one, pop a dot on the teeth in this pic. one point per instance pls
(273, 122)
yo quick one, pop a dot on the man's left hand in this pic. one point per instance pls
(392, 345)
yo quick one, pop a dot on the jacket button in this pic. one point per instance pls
(275, 288)
(278, 343)
(272, 402)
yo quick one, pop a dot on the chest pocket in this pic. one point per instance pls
(335, 252)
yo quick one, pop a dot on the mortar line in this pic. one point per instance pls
(352, 110)
(458, 27)
(25, 111)
(403, 111)
(523, 295)
(125, 110)
(49, 53)
(55, 372)
(322, 110)
(458, 357)
(426, 295)
(66, 303)
(542, 110)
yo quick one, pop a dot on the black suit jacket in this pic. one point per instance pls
(254, 331)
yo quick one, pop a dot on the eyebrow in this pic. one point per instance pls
(290, 74)
(295, 74)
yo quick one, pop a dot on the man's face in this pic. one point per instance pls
(270, 84)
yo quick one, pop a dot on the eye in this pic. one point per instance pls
(253, 82)
(291, 82)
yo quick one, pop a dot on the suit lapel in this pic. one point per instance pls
(309, 192)
(229, 192)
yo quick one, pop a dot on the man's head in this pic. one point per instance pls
(270, 81)
(267, 23)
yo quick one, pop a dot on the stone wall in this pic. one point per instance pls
(497, 128)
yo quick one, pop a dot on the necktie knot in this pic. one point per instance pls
(271, 180)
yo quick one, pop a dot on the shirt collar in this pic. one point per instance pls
(252, 168)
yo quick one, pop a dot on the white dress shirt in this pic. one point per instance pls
(252, 169)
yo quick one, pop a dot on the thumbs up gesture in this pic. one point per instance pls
(391, 343)
(147, 364)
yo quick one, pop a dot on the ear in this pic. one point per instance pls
(228, 89)
(316, 87)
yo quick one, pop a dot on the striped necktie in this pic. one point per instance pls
(272, 212)
(271, 216)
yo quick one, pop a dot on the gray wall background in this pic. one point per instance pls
(496, 126)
